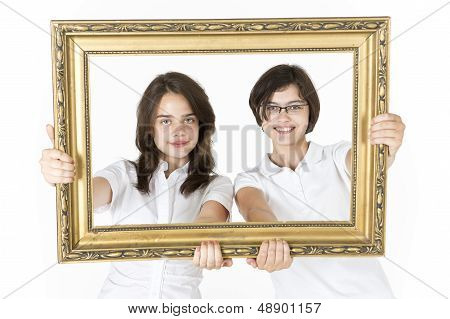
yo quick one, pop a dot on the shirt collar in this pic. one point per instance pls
(164, 166)
(313, 155)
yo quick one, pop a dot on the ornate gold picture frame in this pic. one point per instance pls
(75, 42)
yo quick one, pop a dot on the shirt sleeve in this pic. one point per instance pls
(245, 179)
(221, 190)
(339, 152)
(115, 174)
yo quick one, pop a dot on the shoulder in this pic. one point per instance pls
(337, 151)
(120, 164)
(337, 146)
(336, 155)
(249, 178)
(252, 173)
(219, 180)
(120, 169)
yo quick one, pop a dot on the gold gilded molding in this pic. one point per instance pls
(72, 45)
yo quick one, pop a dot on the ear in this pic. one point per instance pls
(263, 120)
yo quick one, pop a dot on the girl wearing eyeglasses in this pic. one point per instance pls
(302, 180)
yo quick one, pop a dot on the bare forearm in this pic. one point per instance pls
(253, 205)
(259, 215)
(212, 212)
(390, 160)
(209, 219)
(102, 192)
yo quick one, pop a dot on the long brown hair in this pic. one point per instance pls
(278, 77)
(201, 161)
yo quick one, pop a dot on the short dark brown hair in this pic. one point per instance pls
(277, 78)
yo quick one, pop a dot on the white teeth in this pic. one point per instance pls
(284, 129)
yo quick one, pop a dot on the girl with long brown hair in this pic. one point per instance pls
(172, 181)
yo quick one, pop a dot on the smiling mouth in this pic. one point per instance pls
(179, 144)
(284, 130)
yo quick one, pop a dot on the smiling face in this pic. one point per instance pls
(176, 127)
(286, 129)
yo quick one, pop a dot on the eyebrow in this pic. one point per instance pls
(295, 101)
(171, 116)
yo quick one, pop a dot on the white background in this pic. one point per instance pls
(239, 143)
(418, 192)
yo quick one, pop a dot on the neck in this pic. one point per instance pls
(174, 163)
(289, 155)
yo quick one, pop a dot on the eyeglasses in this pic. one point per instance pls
(290, 109)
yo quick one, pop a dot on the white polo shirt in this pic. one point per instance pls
(156, 278)
(318, 190)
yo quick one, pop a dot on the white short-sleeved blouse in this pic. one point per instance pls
(317, 190)
(156, 278)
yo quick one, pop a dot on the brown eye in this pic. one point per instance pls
(272, 109)
(295, 107)
(165, 122)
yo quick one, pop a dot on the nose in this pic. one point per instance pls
(179, 130)
(283, 115)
